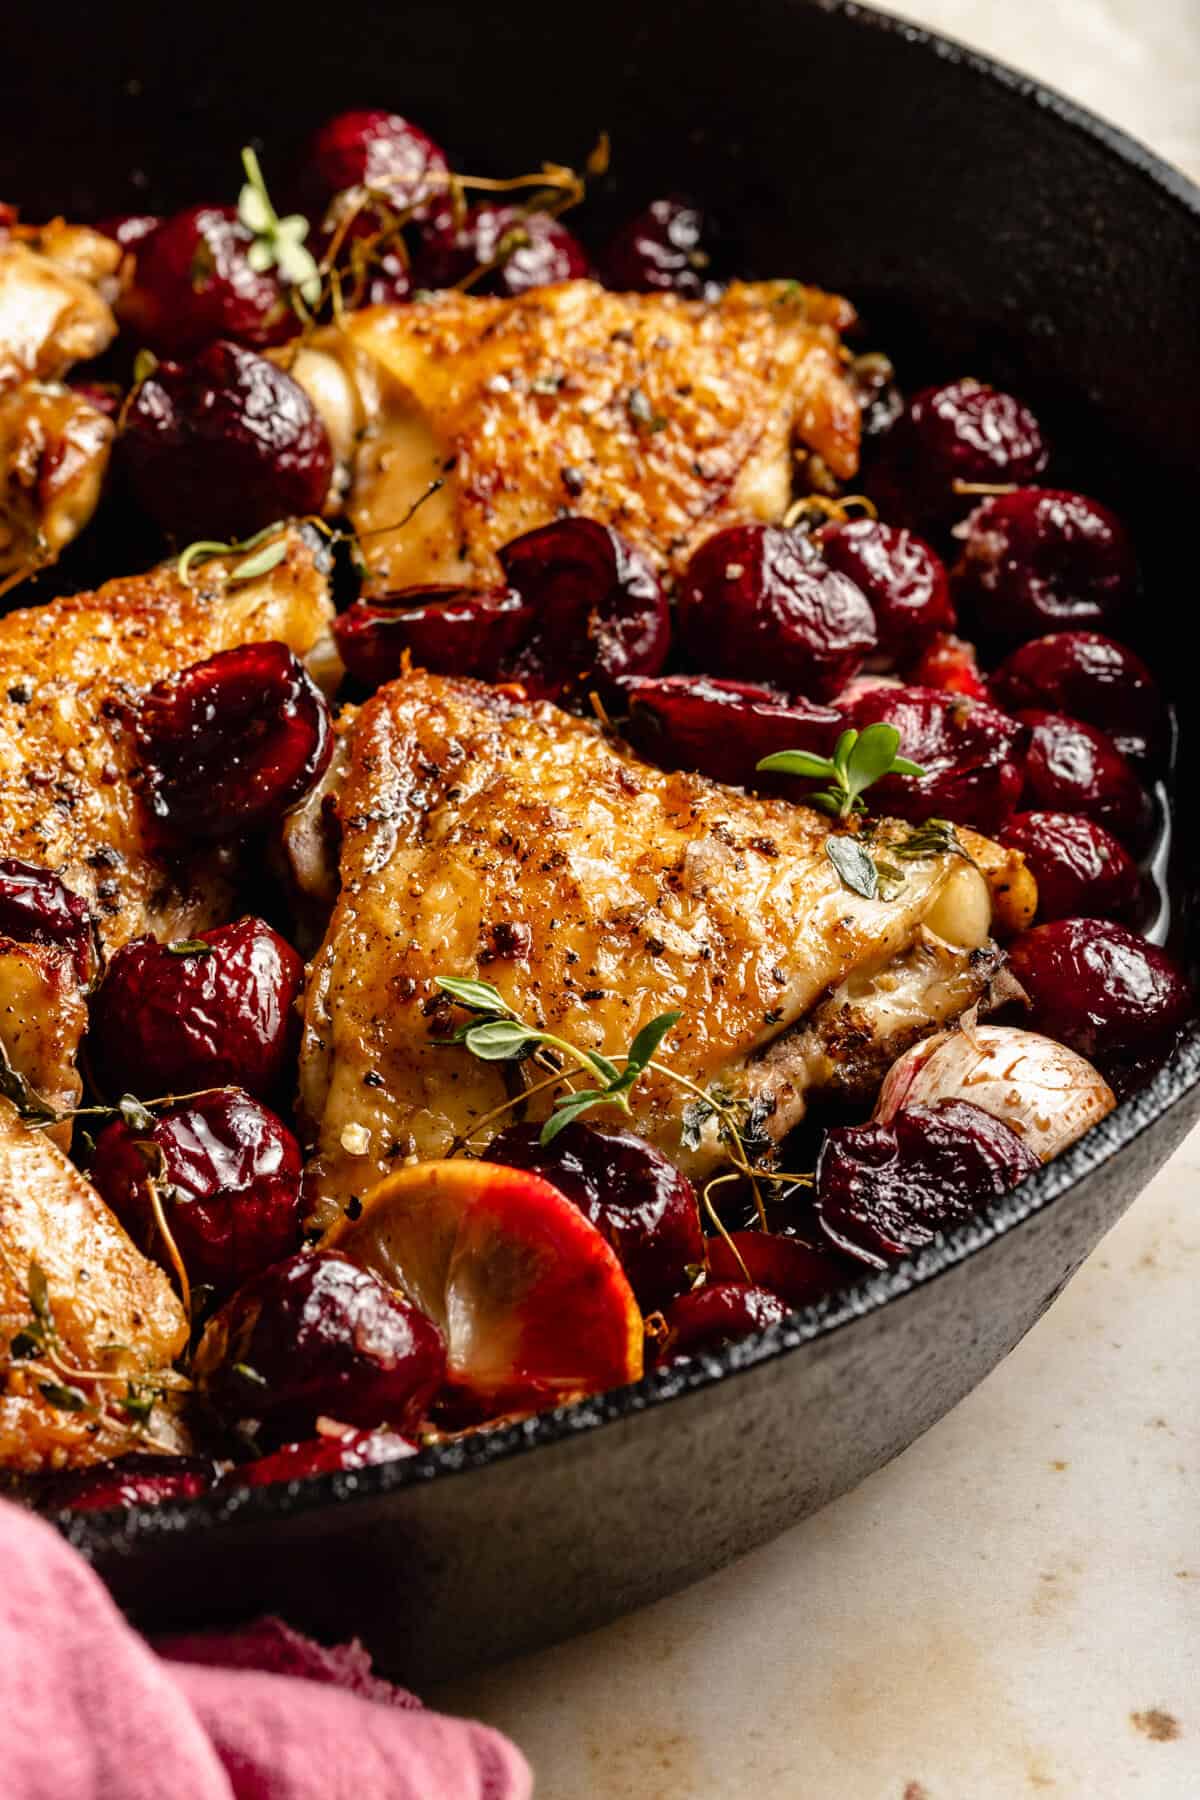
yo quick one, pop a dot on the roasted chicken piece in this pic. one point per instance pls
(665, 418)
(66, 800)
(484, 835)
(43, 1017)
(89, 1327)
(55, 287)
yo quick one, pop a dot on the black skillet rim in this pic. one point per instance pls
(118, 1532)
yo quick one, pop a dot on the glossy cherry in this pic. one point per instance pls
(223, 445)
(717, 1314)
(1078, 865)
(193, 282)
(665, 248)
(383, 152)
(961, 432)
(227, 1173)
(872, 379)
(330, 1453)
(600, 611)
(634, 1195)
(315, 1337)
(758, 604)
(143, 1478)
(451, 631)
(800, 1274)
(372, 262)
(1042, 558)
(723, 729)
(129, 229)
(883, 1191)
(903, 578)
(1091, 677)
(1098, 987)
(1072, 767)
(229, 744)
(219, 1009)
(36, 907)
(519, 250)
(970, 752)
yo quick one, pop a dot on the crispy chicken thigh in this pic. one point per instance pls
(663, 417)
(105, 1316)
(487, 835)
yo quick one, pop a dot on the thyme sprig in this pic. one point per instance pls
(859, 760)
(278, 243)
(266, 558)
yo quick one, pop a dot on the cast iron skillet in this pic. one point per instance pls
(983, 225)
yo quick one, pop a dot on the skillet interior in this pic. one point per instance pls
(983, 226)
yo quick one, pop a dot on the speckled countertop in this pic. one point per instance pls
(1012, 1607)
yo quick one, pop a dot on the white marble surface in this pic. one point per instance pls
(1013, 1607)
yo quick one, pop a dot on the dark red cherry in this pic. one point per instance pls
(37, 908)
(759, 604)
(872, 379)
(884, 1191)
(315, 1337)
(903, 578)
(381, 151)
(143, 1478)
(665, 248)
(217, 1010)
(1040, 559)
(369, 255)
(452, 631)
(331, 1453)
(1079, 867)
(722, 728)
(227, 1174)
(800, 1274)
(962, 432)
(970, 752)
(951, 664)
(1090, 677)
(129, 229)
(223, 445)
(634, 1195)
(718, 1314)
(1072, 767)
(518, 248)
(230, 744)
(193, 282)
(600, 609)
(1099, 987)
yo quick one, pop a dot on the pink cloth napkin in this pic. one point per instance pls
(88, 1711)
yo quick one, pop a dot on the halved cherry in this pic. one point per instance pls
(143, 1478)
(600, 611)
(448, 630)
(229, 744)
(334, 1450)
(37, 908)
(724, 729)
(533, 1302)
(718, 1314)
(950, 664)
(799, 1273)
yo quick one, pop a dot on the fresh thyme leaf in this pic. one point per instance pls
(646, 1043)
(872, 754)
(189, 947)
(144, 363)
(67, 1399)
(901, 765)
(935, 837)
(696, 1115)
(476, 996)
(205, 549)
(278, 243)
(39, 1294)
(27, 1101)
(250, 1375)
(25, 1344)
(136, 1116)
(798, 762)
(855, 869)
(570, 1108)
(500, 1040)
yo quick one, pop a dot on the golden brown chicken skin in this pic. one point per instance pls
(66, 799)
(484, 835)
(665, 418)
(88, 1312)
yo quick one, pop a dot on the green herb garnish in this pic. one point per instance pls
(855, 869)
(205, 549)
(859, 760)
(278, 243)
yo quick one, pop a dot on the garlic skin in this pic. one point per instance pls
(1048, 1094)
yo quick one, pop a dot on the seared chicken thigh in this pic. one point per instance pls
(665, 418)
(484, 835)
(95, 1323)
